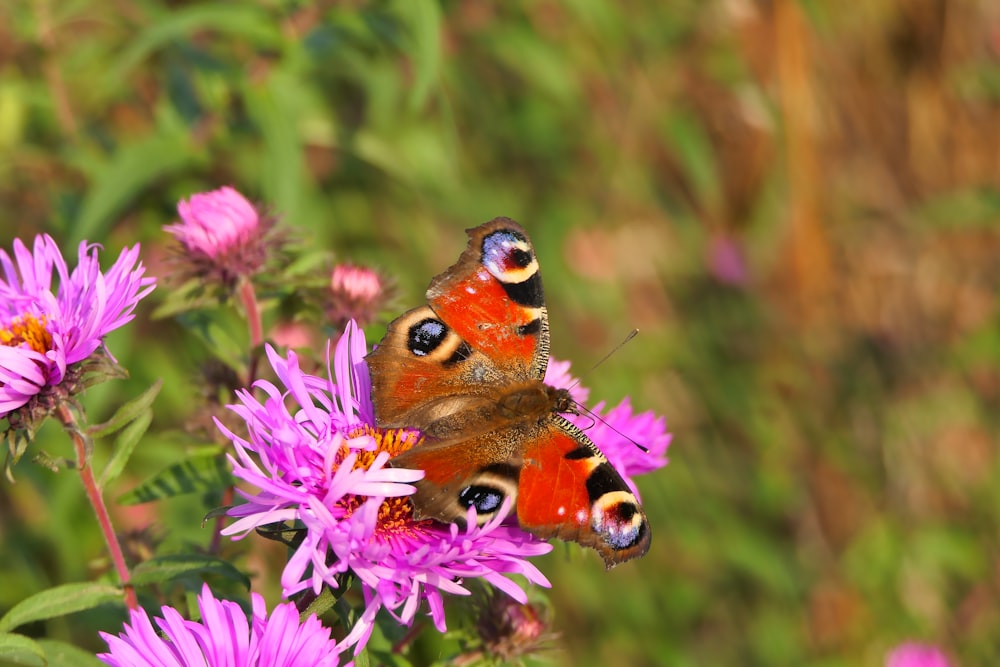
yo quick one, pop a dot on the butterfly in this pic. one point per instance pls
(467, 370)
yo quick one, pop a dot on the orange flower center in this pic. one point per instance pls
(395, 515)
(27, 330)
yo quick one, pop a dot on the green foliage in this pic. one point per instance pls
(795, 202)
(195, 474)
(57, 601)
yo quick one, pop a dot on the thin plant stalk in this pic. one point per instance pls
(96, 499)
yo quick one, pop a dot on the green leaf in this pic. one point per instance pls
(17, 445)
(59, 601)
(127, 413)
(62, 654)
(320, 604)
(19, 650)
(169, 568)
(125, 444)
(196, 474)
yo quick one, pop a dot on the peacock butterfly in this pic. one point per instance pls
(467, 370)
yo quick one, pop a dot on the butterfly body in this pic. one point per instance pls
(467, 370)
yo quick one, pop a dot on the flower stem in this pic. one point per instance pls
(65, 415)
(252, 310)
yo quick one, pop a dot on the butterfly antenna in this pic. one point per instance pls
(583, 409)
(631, 334)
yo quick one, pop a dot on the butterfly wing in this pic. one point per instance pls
(485, 328)
(568, 489)
(563, 486)
(493, 299)
(481, 471)
(424, 374)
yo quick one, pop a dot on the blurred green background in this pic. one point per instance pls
(795, 202)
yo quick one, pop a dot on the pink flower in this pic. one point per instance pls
(222, 638)
(316, 459)
(223, 235)
(214, 223)
(47, 329)
(726, 261)
(356, 293)
(912, 654)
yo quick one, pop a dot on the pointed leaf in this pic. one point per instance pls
(320, 604)
(196, 474)
(124, 446)
(19, 650)
(59, 601)
(62, 654)
(169, 568)
(127, 413)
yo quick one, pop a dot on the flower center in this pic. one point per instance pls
(27, 330)
(395, 515)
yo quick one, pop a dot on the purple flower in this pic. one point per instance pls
(912, 654)
(223, 235)
(316, 458)
(214, 223)
(223, 638)
(727, 261)
(46, 328)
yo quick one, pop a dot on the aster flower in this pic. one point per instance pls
(317, 460)
(223, 638)
(224, 237)
(912, 654)
(48, 331)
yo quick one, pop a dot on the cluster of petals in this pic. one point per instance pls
(214, 222)
(294, 456)
(52, 318)
(222, 638)
(356, 293)
(223, 238)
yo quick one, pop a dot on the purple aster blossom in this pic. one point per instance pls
(617, 431)
(213, 223)
(912, 654)
(223, 638)
(223, 236)
(316, 458)
(47, 328)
